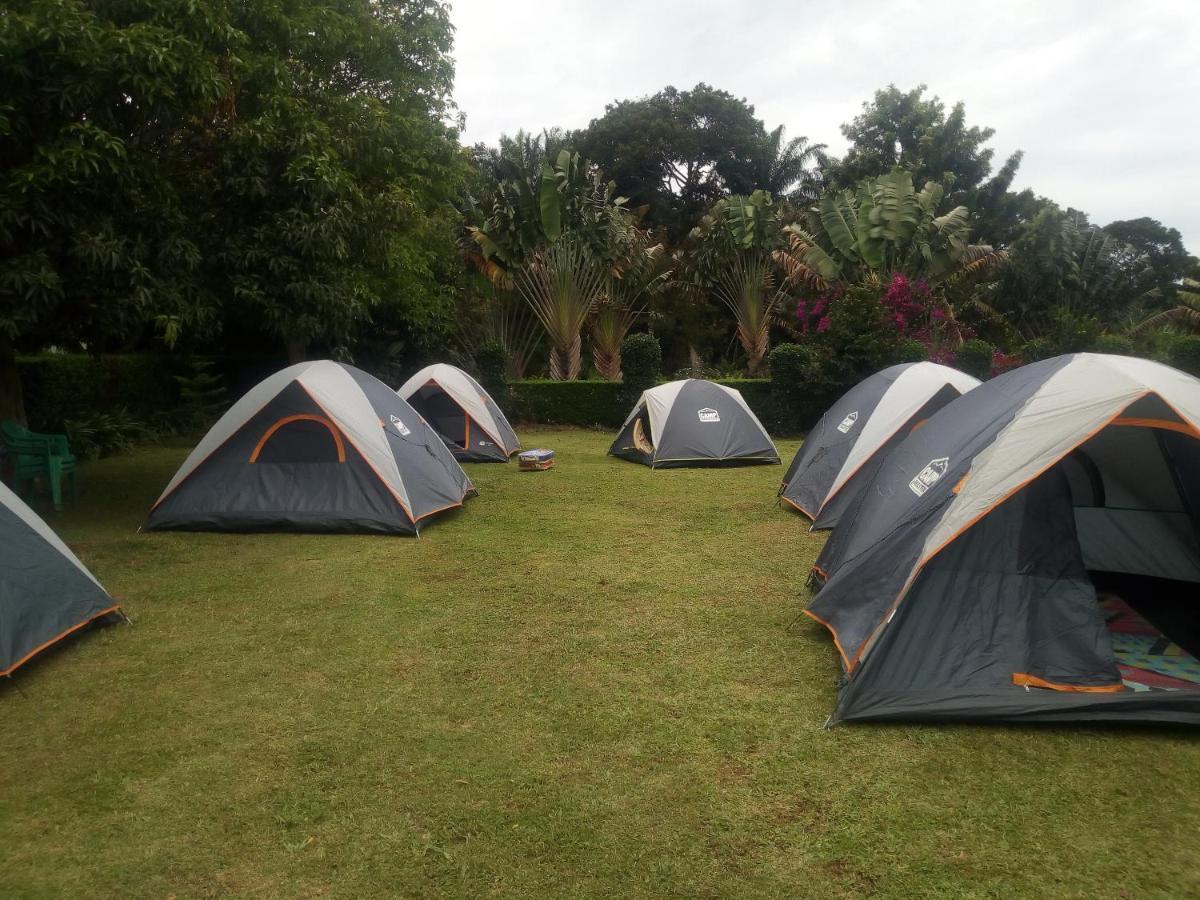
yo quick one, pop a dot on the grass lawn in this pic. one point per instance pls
(590, 682)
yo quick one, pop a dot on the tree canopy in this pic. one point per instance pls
(183, 162)
(192, 174)
(675, 152)
(908, 130)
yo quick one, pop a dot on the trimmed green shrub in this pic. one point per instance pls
(975, 358)
(641, 364)
(61, 386)
(757, 394)
(859, 338)
(492, 360)
(1071, 333)
(1113, 343)
(794, 368)
(1185, 353)
(601, 404)
(590, 404)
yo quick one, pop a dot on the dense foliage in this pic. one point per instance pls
(642, 355)
(282, 170)
(284, 180)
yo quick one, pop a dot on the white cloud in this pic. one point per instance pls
(1102, 97)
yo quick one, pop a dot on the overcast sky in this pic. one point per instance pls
(1103, 97)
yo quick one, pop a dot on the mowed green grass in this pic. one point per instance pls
(590, 682)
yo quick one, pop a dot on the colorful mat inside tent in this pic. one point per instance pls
(1147, 659)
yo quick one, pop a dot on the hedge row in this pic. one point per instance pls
(590, 404)
(599, 404)
(58, 387)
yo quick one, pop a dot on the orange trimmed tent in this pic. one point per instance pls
(840, 453)
(46, 593)
(462, 412)
(319, 446)
(1032, 553)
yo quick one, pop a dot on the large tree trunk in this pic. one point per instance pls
(297, 348)
(12, 399)
(566, 364)
(608, 364)
(757, 347)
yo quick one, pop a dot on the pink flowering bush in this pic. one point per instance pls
(812, 314)
(1002, 362)
(862, 328)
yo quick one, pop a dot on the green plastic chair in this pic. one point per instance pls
(34, 456)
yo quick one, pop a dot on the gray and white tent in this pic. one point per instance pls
(1030, 554)
(46, 593)
(462, 412)
(693, 423)
(842, 450)
(318, 446)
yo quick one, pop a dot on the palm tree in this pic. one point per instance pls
(1063, 268)
(786, 168)
(1183, 317)
(637, 276)
(884, 226)
(747, 288)
(492, 315)
(731, 257)
(562, 284)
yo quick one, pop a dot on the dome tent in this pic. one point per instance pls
(319, 446)
(693, 423)
(962, 583)
(462, 413)
(840, 453)
(46, 593)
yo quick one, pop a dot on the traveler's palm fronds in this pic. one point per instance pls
(562, 284)
(748, 289)
(637, 277)
(885, 226)
(1183, 317)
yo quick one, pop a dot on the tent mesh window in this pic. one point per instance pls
(301, 439)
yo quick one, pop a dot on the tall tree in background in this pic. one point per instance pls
(675, 152)
(731, 257)
(1068, 277)
(639, 276)
(176, 161)
(333, 172)
(521, 154)
(884, 226)
(911, 131)
(97, 228)
(555, 234)
(1148, 242)
(785, 169)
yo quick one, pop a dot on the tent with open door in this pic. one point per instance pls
(1031, 554)
(842, 450)
(462, 413)
(46, 593)
(693, 423)
(319, 446)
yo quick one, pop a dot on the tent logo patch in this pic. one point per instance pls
(928, 476)
(401, 427)
(708, 414)
(848, 422)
